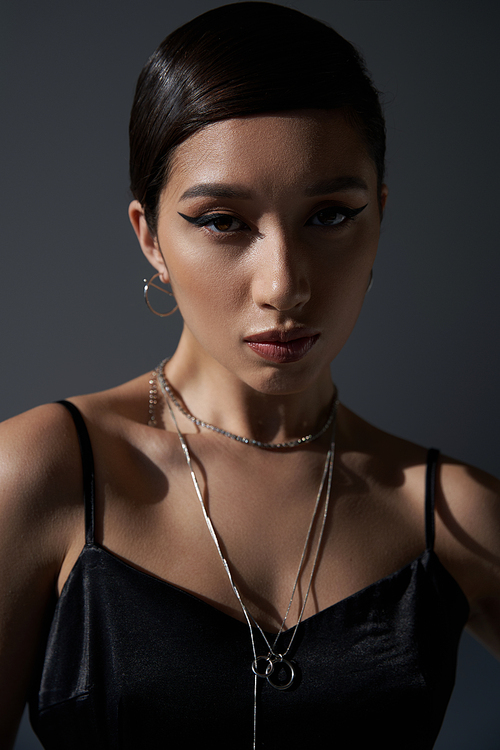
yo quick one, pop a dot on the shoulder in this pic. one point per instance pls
(40, 460)
(468, 542)
(35, 447)
(467, 498)
(467, 513)
(467, 510)
(41, 482)
(40, 473)
(468, 526)
(467, 491)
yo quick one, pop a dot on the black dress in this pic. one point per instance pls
(132, 662)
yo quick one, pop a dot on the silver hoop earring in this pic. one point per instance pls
(149, 283)
(370, 283)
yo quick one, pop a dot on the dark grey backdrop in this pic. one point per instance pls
(423, 361)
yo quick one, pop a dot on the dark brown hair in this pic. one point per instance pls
(243, 59)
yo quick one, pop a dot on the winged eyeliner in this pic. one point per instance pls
(200, 221)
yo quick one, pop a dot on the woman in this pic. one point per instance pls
(273, 580)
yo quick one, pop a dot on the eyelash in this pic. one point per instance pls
(348, 213)
(203, 221)
(206, 219)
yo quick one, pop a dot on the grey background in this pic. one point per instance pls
(423, 362)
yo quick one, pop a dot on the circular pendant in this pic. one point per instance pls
(277, 670)
(263, 666)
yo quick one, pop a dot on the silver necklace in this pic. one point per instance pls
(168, 391)
(273, 663)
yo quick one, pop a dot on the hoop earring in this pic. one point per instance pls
(149, 283)
(370, 283)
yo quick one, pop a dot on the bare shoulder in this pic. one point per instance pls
(467, 515)
(41, 504)
(468, 542)
(39, 465)
(467, 503)
(470, 492)
(41, 499)
(467, 497)
(41, 468)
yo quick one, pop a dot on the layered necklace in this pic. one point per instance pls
(169, 393)
(273, 665)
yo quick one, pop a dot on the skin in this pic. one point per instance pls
(282, 268)
(279, 266)
(277, 269)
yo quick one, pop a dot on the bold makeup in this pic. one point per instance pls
(225, 221)
(326, 216)
(331, 216)
(282, 347)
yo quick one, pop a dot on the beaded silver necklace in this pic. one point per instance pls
(169, 393)
(274, 663)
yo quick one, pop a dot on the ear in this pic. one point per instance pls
(147, 241)
(384, 192)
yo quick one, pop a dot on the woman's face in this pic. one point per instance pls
(268, 228)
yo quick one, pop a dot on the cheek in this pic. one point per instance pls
(206, 284)
(342, 281)
(345, 269)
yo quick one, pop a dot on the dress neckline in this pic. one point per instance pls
(427, 557)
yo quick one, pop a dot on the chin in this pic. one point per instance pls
(285, 380)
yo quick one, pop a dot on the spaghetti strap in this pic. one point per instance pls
(430, 488)
(88, 469)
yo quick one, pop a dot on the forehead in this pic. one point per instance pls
(273, 151)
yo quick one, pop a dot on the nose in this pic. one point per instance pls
(281, 278)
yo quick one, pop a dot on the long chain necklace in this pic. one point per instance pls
(274, 663)
(169, 393)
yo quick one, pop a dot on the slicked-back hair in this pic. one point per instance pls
(243, 59)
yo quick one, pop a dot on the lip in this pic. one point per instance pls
(282, 335)
(282, 346)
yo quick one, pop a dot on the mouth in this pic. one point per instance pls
(283, 347)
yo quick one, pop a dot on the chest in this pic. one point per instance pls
(268, 516)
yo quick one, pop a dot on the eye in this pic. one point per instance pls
(217, 223)
(333, 216)
(224, 223)
(328, 217)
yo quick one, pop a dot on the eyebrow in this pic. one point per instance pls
(223, 190)
(215, 190)
(336, 185)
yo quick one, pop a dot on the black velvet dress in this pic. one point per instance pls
(132, 662)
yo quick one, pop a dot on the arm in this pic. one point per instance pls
(468, 542)
(40, 498)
